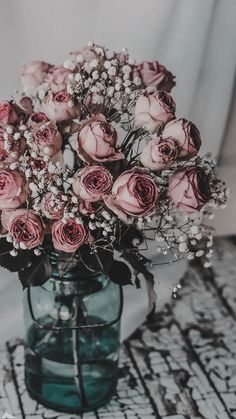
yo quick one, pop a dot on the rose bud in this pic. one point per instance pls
(57, 107)
(34, 74)
(69, 236)
(46, 139)
(92, 183)
(134, 193)
(87, 207)
(94, 103)
(97, 140)
(155, 75)
(189, 188)
(58, 78)
(153, 109)
(185, 134)
(52, 206)
(15, 150)
(159, 154)
(13, 190)
(37, 118)
(24, 226)
(8, 115)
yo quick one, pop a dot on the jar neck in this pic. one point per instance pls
(72, 277)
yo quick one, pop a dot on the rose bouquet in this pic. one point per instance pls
(94, 162)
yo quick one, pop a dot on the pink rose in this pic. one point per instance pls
(88, 52)
(34, 74)
(46, 139)
(24, 226)
(69, 236)
(8, 115)
(11, 154)
(13, 191)
(153, 109)
(97, 140)
(37, 118)
(159, 154)
(92, 183)
(134, 193)
(156, 75)
(185, 134)
(57, 107)
(189, 188)
(52, 206)
(88, 207)
(58, 78)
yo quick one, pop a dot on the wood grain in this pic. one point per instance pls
(181, 366)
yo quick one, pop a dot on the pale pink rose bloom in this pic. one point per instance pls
(97, 141)
(134, 193)
(36, 119)
(13, 190)
(88, 53)
(52, 207)
(58, 77)
(46, 139)
(69, 236)
(33, 74)
(8, 114)
(57, 108)
(189, 189)
(156, 75)
(154, 109)
(185, 134)
(159, 154)
(92, 183)
(24, 226)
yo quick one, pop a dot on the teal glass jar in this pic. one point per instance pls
(72, 341)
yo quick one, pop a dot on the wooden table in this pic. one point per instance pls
(182, 366)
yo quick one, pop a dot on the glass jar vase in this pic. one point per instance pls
(72, 341)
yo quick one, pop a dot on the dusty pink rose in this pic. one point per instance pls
(37, 118)
(185, 134)
(92, 183)
(57, 107)
(153, 109)
(134, 193)
(69, 236)
(189, 189)
(33, 74)
(88, 52)
(46, 139)
(8, 115)
(13, 191)
(24, 226)
(58, 78)
(88, 207)
(52, 206)
(159, 154)
(156, 75)
(97, 140)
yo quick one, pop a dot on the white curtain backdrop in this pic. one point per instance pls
(195, 39)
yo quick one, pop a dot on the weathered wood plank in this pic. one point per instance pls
(182, 366)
